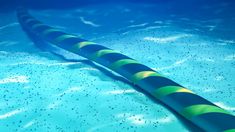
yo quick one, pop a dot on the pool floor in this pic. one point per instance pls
(42, 92)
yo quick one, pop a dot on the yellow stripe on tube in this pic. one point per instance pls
(81, 44)
(114, 66)
(199, 109)
(85, 43)
(166, 90)
(47, 31)
(143, 74)
(63, 37)
(75, 48)
(101, 53)
(230, 130)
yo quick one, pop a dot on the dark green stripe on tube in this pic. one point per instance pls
(194, 108)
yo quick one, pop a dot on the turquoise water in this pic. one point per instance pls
(43, 92)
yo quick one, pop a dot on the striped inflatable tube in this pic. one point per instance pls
(194, 108)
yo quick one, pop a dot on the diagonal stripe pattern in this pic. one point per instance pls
(194, 108)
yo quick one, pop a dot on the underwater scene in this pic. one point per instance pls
(66, 66)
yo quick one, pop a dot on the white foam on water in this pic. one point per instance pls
(137, 119)
(3, 52)
(112, 92)
(151, 28)
(163, 40)
(225, 106)
(53, 105)
(141, 119)
(211, 27)
(158, 22)
(28, 124)
(27, 58)
(89, 69)
(60, 27)
(9, 25)
(204, 59)
(230, 57)
(219, 78)
(62, 63)
(15, 79)
(176, 64)
(163, 120)
(8, 43)
(11, 113)
(18, 55)
(89, 22)
(138, 25)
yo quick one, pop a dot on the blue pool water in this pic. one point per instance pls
(40, 91)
